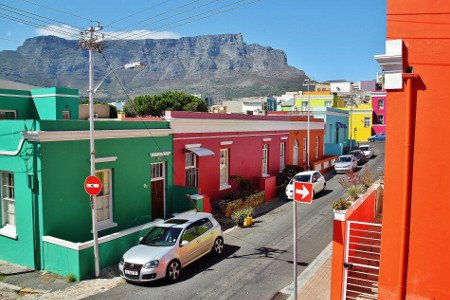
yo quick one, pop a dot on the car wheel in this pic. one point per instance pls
(173, 270)
(218, 246)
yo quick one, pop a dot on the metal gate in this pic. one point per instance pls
(362, 260)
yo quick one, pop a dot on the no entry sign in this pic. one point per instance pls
(303, 192)
(92, 185)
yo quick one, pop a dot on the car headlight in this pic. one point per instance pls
(151, 264)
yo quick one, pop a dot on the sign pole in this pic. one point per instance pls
(295, 248)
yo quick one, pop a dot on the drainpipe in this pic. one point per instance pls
(14, 152)
(407, 185)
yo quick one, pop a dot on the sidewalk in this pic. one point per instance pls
(315, 281)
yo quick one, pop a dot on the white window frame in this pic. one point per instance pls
(328, 103)
(304, 105)
(190, 163)
(224, 169)
(380, 103)
(317, 147)
(295, 152)
(305, 145)
(9, 111)
(282, 156)
(7, 229)
(382, 119)
(265, 160)
(366, 122)
(161, 176)
(107, 223)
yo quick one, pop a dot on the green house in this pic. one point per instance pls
(45, 212)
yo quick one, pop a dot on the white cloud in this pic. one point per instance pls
(71, 33)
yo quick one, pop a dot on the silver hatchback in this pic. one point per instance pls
(172, 245)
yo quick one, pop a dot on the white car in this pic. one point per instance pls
(368, 150)
(172, 245)
(314, 177)
(345, 163)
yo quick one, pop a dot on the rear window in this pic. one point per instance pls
(302, 178)
(364, 148)
(344, 159)
(175, 221)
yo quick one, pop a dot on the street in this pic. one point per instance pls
(257, 261)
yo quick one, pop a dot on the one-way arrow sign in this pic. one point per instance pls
(303, 192)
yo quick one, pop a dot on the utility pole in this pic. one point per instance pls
(308, 129)
(89, 39)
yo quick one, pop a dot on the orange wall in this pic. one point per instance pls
(299, 136)
(424, 27)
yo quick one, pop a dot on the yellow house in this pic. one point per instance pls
(318, 99)
(360, 121)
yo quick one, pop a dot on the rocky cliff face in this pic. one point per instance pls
(218, 66)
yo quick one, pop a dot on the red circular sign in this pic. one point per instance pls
(92, 185)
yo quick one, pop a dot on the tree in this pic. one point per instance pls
(156, 105)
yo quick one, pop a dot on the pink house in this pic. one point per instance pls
(379, 111)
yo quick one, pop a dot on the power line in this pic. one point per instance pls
(59, 10)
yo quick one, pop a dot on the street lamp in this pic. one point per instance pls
(92, 146)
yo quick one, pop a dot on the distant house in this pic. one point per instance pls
(336, 140)
(317, 99)
(379, 112)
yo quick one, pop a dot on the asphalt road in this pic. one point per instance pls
(257, 261)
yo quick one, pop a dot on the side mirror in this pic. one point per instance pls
(184, 243)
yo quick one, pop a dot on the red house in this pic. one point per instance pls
(209, 148)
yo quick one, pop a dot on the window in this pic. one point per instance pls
(224, 166)
(328, 103)
(380, 103)
(295, 150)
(7, 114)
(190, 233)
(305, 145)
(380, 119)
(66, 115)
(282, 156)
(157, 171)
(265, 157)
(104, 201)
(191, 169)
(317, 147)
(203, 226)
(304, 105)
(8, 202)
(366, 122)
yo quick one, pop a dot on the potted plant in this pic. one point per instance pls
(340, 208)
(243, 217)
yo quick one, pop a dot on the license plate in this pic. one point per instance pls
(131, 272)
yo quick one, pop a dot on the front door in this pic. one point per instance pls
(157, 188)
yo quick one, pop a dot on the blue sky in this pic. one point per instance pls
(328, 39)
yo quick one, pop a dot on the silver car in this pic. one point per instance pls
(172, 245)
(368, 150)
(314, 177)
(345, 163)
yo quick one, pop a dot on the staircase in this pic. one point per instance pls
(362, 260)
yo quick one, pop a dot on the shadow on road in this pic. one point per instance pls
(204, 264)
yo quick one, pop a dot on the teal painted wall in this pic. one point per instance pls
(22, 105)
(58, 100)
(21, 250)
(65, 167)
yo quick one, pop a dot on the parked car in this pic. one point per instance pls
(172, 245)
(360, 157)
(368, 150)
(345, 163)
(377, 137)
(314, 177)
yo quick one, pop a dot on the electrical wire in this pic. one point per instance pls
(58, 10)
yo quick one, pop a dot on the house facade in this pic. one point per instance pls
(336, 140)
(44, 160)
(379, 112)
(209, 148)
(317, 99)
(360, 121)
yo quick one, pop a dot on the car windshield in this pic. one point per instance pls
(364, 148)
(161, 236)
(302, 178)
(357, 154)
(344, 159)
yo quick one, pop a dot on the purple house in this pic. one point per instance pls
(379, 111)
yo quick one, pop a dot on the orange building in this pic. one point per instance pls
(415, 245)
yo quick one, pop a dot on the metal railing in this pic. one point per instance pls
(192, 177)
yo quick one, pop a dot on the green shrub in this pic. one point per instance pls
(239, 216)
(341, 204)
(71, 278)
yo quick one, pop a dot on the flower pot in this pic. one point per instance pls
(339, 215)
(248, 221)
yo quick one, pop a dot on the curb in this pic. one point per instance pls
(9, 287)
(306, 275)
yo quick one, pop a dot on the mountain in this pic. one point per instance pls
(218, 66)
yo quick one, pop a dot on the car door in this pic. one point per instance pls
(316, 182)
(206, 234)
(192, 249)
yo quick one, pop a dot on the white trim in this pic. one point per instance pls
(9, 231)
(104, 239)
(284, 138)
(236, 125)
(55, 136)
(14, 95)
(159, 154)
(187, 146)
(224, 143)
(267, 139)
(105, 159)
(55, 95)
(224, 187)
(105, 225)
(228, 136)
